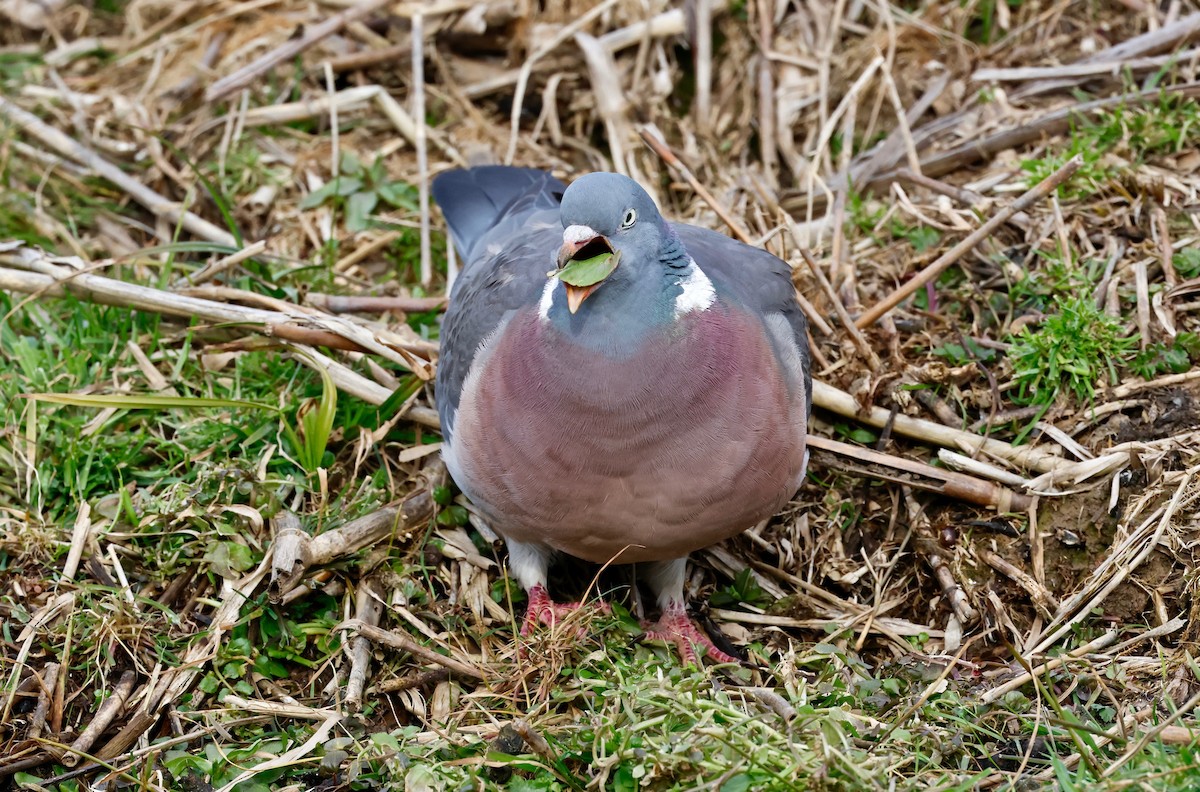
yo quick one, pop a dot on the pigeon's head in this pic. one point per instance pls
(608, 222)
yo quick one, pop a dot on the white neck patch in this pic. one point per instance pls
(698, 292)
(547, 299)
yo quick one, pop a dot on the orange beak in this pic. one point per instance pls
(577, 294)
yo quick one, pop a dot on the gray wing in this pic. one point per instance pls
(505, 224)
(509, 274)
(489, 202)
(755, 279)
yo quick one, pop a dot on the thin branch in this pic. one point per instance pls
(943, 262)
(397, 640)
(107, 713)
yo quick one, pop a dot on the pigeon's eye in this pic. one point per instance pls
(630, 219)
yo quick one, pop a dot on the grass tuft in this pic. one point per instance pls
(1071, 351)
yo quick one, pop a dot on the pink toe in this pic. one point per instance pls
(674, 627)
(544, 611)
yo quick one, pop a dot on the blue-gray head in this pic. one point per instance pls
(606, 213)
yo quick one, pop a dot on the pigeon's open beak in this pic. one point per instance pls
(579, 244)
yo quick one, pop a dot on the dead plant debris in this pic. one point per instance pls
(229, 558)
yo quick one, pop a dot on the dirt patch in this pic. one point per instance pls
(1076, 531)
(1166, 413)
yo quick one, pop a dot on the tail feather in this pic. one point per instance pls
(474, 200)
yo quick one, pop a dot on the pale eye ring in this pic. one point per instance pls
(630, 219)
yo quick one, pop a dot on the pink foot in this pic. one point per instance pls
(542, 610)
(674, 627)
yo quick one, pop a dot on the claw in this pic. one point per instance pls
(543, 611)
(674, 627)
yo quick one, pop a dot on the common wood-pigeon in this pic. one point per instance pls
(614, 386)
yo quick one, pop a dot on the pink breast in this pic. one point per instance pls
(695, 437)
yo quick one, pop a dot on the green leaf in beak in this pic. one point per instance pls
(588, 272)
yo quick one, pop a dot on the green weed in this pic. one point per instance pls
(981, 26)
(358, 189)
(961, 354)
(1070, 352)
(1187, 263)
(1134, 134)
(743, 589)
(922, 238)
(1175, 357)
(310, 439)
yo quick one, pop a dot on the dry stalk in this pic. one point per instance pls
(898, 142)
(768, 146)
(339, 303)
(47, 683)
(212, 270)
(1166, 38)
(1045, 125)
(11, 765)
(367, 250)
(1122, 560)
(702, 19)
(771, 700)
(329, 719)
(838, 620)
(567, 32)
(960, 603)
(357, 61)
(659, 146)
(1142, 289)
(64, 602)
(1169, 381)
(837, 401)
(397, 640)
(343, 102)
(296, 551)
(873, 464)
(1150, 734)
(1166, 253)
(189, 85)
(418, 113)
(107, 713)
(1045, 602)
(1073, 71)
(177, 681)
(663, 25)
(79, 538)
(424, 679)
(1096, 645)
(839, 308)
(533, 738)
(54, 275)
(611, 102)
(963, 195)
(367, 609)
